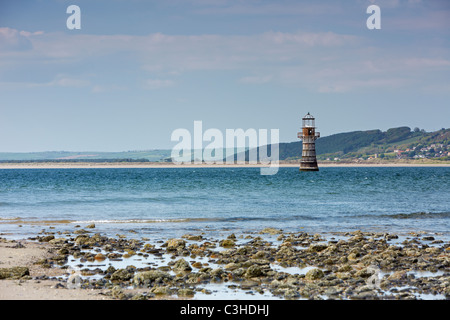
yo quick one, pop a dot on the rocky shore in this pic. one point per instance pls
(270, 264)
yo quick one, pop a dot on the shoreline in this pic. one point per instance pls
(114, 165)
(267, 265)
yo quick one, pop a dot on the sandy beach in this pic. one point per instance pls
(38, 283)
(95, 165)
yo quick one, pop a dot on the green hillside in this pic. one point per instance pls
(399, 142)
(395, 143)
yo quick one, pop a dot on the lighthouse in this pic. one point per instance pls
(308, 135)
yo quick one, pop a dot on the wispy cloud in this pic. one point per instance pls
(318, 61)
(268, 8)
(255, 79)
(154, 84)
(58, 81)
(14, 40)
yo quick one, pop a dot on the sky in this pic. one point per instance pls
(139, 69)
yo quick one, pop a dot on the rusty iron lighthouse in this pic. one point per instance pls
(308, 135)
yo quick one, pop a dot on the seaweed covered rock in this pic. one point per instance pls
(181, 265)
(148, 277)
(314, 274)
(122, 275)
(14, 272)
(174, 244)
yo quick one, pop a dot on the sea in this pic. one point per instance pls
(162, 203)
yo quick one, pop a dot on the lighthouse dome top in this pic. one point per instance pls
(308, 116)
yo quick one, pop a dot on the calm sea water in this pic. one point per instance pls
(161, 203)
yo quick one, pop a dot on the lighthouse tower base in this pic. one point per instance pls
(309, 166)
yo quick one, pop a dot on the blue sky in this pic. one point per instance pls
(137, 70)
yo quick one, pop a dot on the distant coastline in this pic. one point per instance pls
(282, 164)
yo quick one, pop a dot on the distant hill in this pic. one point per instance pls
(401, 142)
(68, 156)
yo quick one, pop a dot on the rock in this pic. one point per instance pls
(81, 240)
(181, 265)
(44, 263)
(58, 241)
(186, 292)
(197, 265)
(117, 293)
(365, 273)
(227, 243)
(433, 250)
(390, 236)
(314, 274)
(317, 247)
(14, 272)
(259, 255)
(254, 271)
(286, 251)
(81, 231)
(317, 237)
(353, 256)
(174, 244)
(217, 273)
(58, 286)
(139, 296)
(100, 257)
(121, 275)
(129, 253)
(270, 231)
(60, 259)
(232, 266)
(46, 238)
(343, 275)
(148, 247)
(345, 268)
(147, 277)
(192, 237)
(365, 295)
(160, 290)
(110, 270)
(238, 273)
(91, 226)
(196, 278)
(398, 275)
(333, 291)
